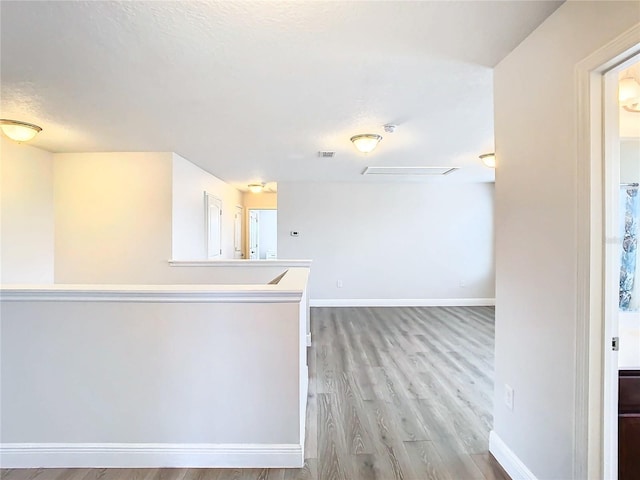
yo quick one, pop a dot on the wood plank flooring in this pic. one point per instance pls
(394, 394)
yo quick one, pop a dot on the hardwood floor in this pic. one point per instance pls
(394, 394)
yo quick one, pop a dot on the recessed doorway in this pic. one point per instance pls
(263, 234)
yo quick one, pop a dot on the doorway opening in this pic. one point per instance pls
(622, 265)
(263, 234)
(599, 256)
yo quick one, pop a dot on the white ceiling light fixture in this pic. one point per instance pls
(19, 131)
(256, 187)
(366, 142)
(489, 159)
(629, 94)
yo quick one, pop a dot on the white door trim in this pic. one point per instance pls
(589, 457)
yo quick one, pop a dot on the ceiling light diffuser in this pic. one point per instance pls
(628, 91)
(19, 131)
(489, 159)
(256, 187)
(629, 94)
(366, 142)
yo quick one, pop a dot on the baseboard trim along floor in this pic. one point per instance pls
(507, 459)
(402, 302)
(143, 455)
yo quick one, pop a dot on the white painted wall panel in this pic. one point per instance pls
(105, 372)
(261, 273)
(630, 160)
(188, 231)
(27, 215)
(390, 241)
(112, 217)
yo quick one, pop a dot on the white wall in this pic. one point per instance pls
(27, 218)
(536, 237)
(390, 241)
(630, 160)
(189, 184)
(147, 372)
(263, 200)
(112, 217)
(120, 217)
(234, 272)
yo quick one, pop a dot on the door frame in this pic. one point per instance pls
(594, 454)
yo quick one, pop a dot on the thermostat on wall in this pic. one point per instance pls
(294, 233)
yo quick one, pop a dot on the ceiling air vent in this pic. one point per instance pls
(411, 171)
(326, 154)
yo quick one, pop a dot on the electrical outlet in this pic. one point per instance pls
(508, 396)
(339, 283)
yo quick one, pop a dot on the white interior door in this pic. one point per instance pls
(213, 226)
(254, 235)
(237, 232)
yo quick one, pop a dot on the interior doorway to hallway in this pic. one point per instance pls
(263, 234)
(621, 114)
(597, 296)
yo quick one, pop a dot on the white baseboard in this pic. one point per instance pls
(147, 455)
(401, 302)
(508, 460)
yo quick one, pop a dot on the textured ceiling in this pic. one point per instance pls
(251, 91)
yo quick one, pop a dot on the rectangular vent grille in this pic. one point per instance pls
(411, 171)
(326, 154)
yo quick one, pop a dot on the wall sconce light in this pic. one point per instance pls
(629, 94)
(19, 131)
(256, 187)
(489, 159)
(366, 142)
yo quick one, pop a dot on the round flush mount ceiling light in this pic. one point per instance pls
(366, 142)
(256, 187)
(629, 94)
(489, 159)
(19, 131)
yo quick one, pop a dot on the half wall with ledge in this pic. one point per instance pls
(154, 375)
